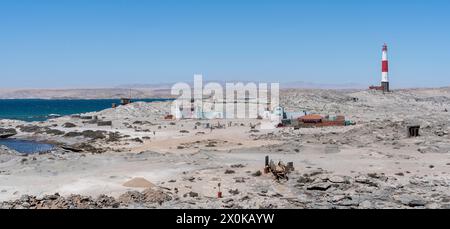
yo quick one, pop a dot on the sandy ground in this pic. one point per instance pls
(370, 165)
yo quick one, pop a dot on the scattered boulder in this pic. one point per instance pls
(106, 201)
(54, 132)
(149, 195)
(210, 144)
(304, 180)
(130, 197)
(237, 166)
(86, 147)
(191, 194)
(6, 133)
(113, 137)
(374, 175)
(366, 180)
(29, 128)
(229, 171)
(137, 140)
(191, 179)
(73, 134)
(98, 134)
(257, 173)
(314, 173)
(69, 125)
(320, 186)
(234, 192)
(104, 123)
(337, 179)
(71, 148)
(411, 200)
(417, 203)
(154, 195)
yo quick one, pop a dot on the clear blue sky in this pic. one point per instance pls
(93, 43)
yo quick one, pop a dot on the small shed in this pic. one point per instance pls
(312, 118)
(125, 101)
(413, 131)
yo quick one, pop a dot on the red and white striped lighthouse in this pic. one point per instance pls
(385, 69)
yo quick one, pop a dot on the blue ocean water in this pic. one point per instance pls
(26, 146)
(41, 109)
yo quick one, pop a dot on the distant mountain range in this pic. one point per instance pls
(288, 85)
(138, 91)
(301, 84)
(100, 93)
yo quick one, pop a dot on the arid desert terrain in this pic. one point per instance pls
(145, 161)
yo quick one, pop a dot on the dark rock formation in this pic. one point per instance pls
(6, 133)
